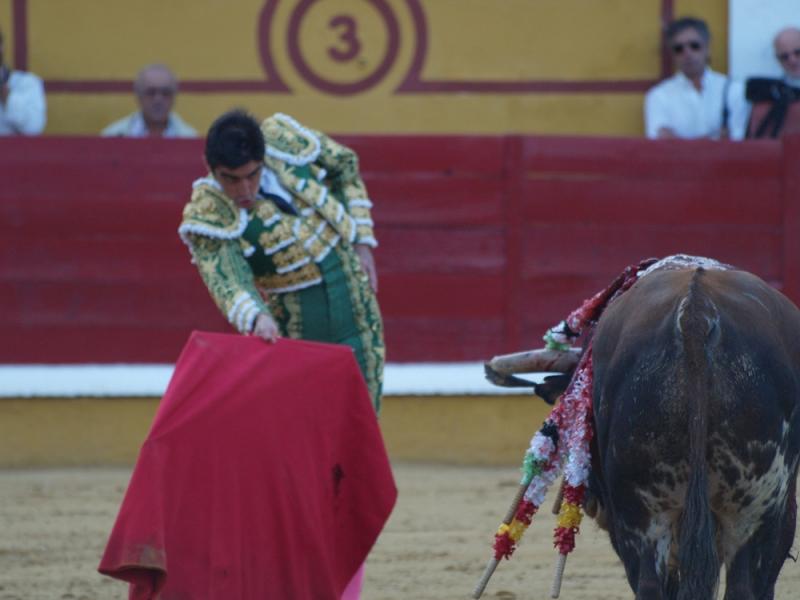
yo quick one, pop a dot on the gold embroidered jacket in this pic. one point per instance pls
(241, 252)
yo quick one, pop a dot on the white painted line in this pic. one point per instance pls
(146, 380)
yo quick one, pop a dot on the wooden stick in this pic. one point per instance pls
(484, 580)
(555, 589)
(541, 360)
(512, 510)
(559, 499)
(493, 562)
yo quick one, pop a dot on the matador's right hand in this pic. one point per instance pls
(266, 328)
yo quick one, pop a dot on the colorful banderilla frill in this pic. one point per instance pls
(563, 440)
(540, 466)
(562, 443)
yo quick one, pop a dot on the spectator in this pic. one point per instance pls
(23, 109)
(787, 52)
(776, 102)
(155, 88)
(696, 102)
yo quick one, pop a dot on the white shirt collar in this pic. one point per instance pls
(688, 82)
(138, 128)
(269, 184)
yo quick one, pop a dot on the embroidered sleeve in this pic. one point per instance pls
(229, 280)
(339, 165)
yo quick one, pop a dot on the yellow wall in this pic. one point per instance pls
(56, 432)
(479, 41)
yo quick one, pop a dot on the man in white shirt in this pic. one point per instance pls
(23, 110)
(696, 102)
(155, 88)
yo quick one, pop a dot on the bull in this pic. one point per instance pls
(697, 432)
(696, 402)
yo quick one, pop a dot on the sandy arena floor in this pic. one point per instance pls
(54, 524)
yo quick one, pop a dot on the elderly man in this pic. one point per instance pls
(155, 88)
(776, 102)
(696, 102)
(787, 51)
(23, 110)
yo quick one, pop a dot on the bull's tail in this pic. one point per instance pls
(697, 321)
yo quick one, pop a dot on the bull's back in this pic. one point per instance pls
(749, 333)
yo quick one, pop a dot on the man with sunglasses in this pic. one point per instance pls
(155, 88)
(696, 102)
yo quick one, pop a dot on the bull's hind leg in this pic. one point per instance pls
(752, 573)
(642, 518)
(753, 567)
(738, 585)
(639, 556)
(649, 586)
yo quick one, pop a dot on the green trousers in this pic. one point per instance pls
(341, 310)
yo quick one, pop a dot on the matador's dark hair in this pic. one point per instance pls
(233, 140)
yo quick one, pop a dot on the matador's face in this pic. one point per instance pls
(240, 184)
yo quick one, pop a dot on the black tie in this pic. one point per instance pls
(278, 201)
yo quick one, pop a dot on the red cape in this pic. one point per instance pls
(264, 476)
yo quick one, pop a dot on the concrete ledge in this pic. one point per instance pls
(81, 415)
(473, 430)
(53, 432)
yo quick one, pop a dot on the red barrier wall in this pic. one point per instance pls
(485, 241)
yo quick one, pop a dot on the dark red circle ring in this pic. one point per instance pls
(332, 87)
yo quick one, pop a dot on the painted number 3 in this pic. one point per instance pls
(350, 45)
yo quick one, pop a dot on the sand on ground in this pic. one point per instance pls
(54, 525)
